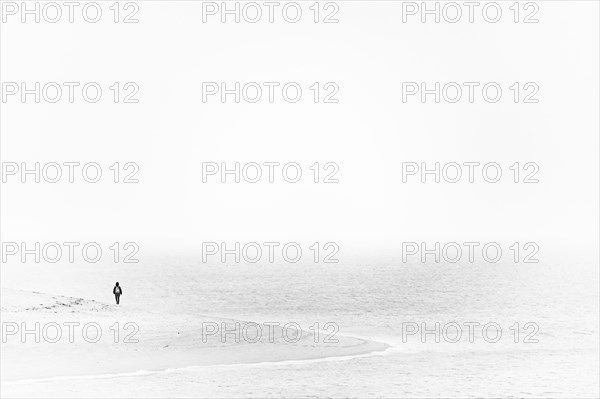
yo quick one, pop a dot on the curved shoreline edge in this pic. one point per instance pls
(175, 334)
(267, 363)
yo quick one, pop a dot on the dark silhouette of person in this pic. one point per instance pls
(117, 291)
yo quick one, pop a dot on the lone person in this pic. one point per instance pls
(117, 291)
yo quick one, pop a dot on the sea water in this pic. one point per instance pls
(547, 317)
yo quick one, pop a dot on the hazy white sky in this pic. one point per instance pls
(369, 133)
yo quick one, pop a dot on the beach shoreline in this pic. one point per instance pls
(134, 341)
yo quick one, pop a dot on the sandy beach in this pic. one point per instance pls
(150, 342)
(187, 331)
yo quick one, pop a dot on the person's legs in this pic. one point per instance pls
(117, 298)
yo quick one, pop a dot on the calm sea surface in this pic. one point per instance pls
(381, 301)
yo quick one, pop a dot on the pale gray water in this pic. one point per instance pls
(368, 300)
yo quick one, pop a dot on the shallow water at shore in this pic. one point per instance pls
(381, 302)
